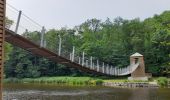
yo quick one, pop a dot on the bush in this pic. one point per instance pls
(162, 81)
(99, 82)
(58, 80)
(11, 80)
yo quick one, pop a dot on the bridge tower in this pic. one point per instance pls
(139, 73)
(2, 37)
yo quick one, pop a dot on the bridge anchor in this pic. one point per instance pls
(139, 73)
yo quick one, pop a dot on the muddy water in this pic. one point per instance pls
(54, 92)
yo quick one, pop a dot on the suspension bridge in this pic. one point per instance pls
(13, 35)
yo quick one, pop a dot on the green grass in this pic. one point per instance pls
(64, 80)
(116, 80)
(58, 80)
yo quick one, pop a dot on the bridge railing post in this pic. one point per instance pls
(79, 60)
(83, 59)
(59, 49)
(87, 64)
(45, 44)
(98, 65)
(42, 37)
(18, 22)
(93, 66)
(107, 69)
(91, 62)
(111, 72)
(115, 71)
(70, 56)
(118, 71)
(103, 67)
(73, 54)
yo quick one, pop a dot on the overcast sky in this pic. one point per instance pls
(60, 13)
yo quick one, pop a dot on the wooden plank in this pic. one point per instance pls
(1, 18)
(1, 2)
(1, 22)
(1, 6)
(1, 10)
(1, 15)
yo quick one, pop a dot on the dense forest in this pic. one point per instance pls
(110, 41)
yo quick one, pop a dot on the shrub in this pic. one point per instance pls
(99, 82)
(11, 80)
(162, 81)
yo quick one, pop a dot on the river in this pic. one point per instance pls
(55, 92)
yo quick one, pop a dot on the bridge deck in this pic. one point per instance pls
(28, 45)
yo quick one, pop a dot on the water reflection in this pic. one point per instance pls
(53, 92)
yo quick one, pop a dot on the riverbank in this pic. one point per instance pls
(91, 81)
(132, 84)
(124, 83)
(58, 80)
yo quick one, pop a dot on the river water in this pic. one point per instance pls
(55, 92)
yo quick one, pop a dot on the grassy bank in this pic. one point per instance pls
(70, 80)
(58, 80)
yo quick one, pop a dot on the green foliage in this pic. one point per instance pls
(8, 49)
(8, 23)
(11, 80)
(99, 82)
(162, 81)
(58, 80)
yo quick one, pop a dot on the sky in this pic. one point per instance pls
(61, 13)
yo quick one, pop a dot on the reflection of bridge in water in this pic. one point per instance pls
(87, 64)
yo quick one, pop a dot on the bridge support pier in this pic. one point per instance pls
(2, 37)
(139, 73)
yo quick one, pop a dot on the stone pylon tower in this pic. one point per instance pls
(2, 37)
(139, 73)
